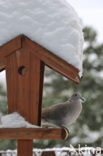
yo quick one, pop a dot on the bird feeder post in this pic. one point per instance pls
(24, 62)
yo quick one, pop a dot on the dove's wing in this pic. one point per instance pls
(54, 112)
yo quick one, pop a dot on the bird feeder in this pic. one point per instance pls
(52, 25)
(24, 62)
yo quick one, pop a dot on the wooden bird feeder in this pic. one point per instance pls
(24, 62)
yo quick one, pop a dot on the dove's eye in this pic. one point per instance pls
(75, 94)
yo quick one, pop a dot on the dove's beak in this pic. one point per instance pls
(83, 99)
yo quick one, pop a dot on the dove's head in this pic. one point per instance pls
(77, 96)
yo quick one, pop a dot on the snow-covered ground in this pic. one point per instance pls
(54, 24)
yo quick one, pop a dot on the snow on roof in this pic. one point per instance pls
(53, 24)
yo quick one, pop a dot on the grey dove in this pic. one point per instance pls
(65, 113)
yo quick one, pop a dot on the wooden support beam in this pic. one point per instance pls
(34, 133)
(44, 55)
(48, 153)
(53, 61)
(25, 148)
(10, 47)
(2, 64)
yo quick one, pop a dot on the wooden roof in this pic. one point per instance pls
(43, 54)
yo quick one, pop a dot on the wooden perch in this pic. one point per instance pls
(33, 133)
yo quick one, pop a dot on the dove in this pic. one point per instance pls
(65, 113)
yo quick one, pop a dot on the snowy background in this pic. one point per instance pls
(91, 13)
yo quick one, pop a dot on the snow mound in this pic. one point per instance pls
(53, 24)
(15, 120)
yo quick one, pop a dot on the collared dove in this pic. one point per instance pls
(65, 113)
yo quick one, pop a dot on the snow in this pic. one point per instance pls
(64, 151)
(15, 120)
(53, 24)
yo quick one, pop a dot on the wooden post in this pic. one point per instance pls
(48, 153)
(25, 73)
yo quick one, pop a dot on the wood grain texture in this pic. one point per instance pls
(24, 92)
(34, 133)
(24, 148)
(10, 47)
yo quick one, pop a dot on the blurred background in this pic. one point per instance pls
(88, 129)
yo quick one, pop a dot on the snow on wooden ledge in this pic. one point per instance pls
(14, 126)
(52, 24)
